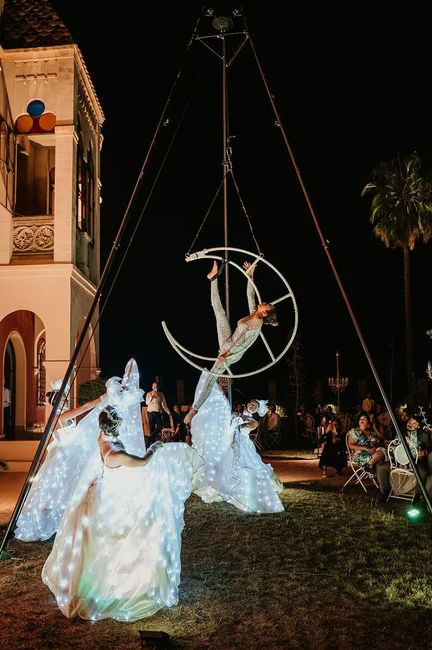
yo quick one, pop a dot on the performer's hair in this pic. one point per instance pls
(109, 420)
(271, 318)
(52, 394)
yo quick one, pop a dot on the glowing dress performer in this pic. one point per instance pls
(233, 470)
(117, 552)
(66, 457)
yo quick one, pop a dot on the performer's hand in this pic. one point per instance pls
(249, 268)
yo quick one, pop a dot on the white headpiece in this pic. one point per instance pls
(56, 385)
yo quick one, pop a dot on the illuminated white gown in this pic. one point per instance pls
(233, 471)
(117, 552)
(68, 454)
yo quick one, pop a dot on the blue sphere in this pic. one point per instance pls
(35, 108)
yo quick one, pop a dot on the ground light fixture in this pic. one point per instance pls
(414, 512)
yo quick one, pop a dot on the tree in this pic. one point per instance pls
(401, 215)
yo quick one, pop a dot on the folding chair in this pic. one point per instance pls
(272, 439)
(255, 436)
(359, 473)
(403, 481)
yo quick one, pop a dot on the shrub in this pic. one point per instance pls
(91, 390)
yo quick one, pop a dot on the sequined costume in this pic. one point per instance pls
(67, 458)
(233, 470)
(117, 552)
(231, 345)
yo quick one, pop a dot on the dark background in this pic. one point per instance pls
(348, 97)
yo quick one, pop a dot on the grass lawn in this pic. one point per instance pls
(287, 454)
(334, 571)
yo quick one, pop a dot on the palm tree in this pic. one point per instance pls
(401, 215)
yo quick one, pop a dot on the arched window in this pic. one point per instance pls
(41, 378)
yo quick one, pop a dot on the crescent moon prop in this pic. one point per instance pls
(212, 253)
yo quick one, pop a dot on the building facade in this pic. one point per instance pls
(50, 142)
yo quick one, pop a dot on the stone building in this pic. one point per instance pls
(50, 142)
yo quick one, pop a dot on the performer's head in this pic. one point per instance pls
(257, 406)
(110, 421)
(252, 406)
(52, 394)
(268, 313)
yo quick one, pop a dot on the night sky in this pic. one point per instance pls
(348, 98)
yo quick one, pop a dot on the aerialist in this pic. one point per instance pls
(232, 345)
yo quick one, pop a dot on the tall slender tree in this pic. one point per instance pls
(401, 215)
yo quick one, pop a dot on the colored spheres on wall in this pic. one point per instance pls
(35, 120)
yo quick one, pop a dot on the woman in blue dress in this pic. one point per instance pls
(363, 444)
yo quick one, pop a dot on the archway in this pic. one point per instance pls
(15, 370)
(9, 392)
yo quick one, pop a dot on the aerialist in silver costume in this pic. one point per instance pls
(232, 345)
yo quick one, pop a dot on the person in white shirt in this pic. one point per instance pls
(156, 404)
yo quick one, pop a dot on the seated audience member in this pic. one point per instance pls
(363, 445)
(178, 425)
(270, 423)
(421, 440)
(334, 452)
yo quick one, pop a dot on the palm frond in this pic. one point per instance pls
(401, 206)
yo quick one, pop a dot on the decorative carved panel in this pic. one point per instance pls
(33, 236)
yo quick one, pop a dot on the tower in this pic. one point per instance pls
(50, 130)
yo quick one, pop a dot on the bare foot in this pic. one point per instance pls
(213, 273)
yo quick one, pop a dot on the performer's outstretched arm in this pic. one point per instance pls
(80, 410)
(250, 291)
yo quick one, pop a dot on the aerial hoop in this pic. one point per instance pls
(214, 254)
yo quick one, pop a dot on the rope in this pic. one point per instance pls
(244, 210)
(207, 213)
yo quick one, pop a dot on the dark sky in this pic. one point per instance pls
(348, 97)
